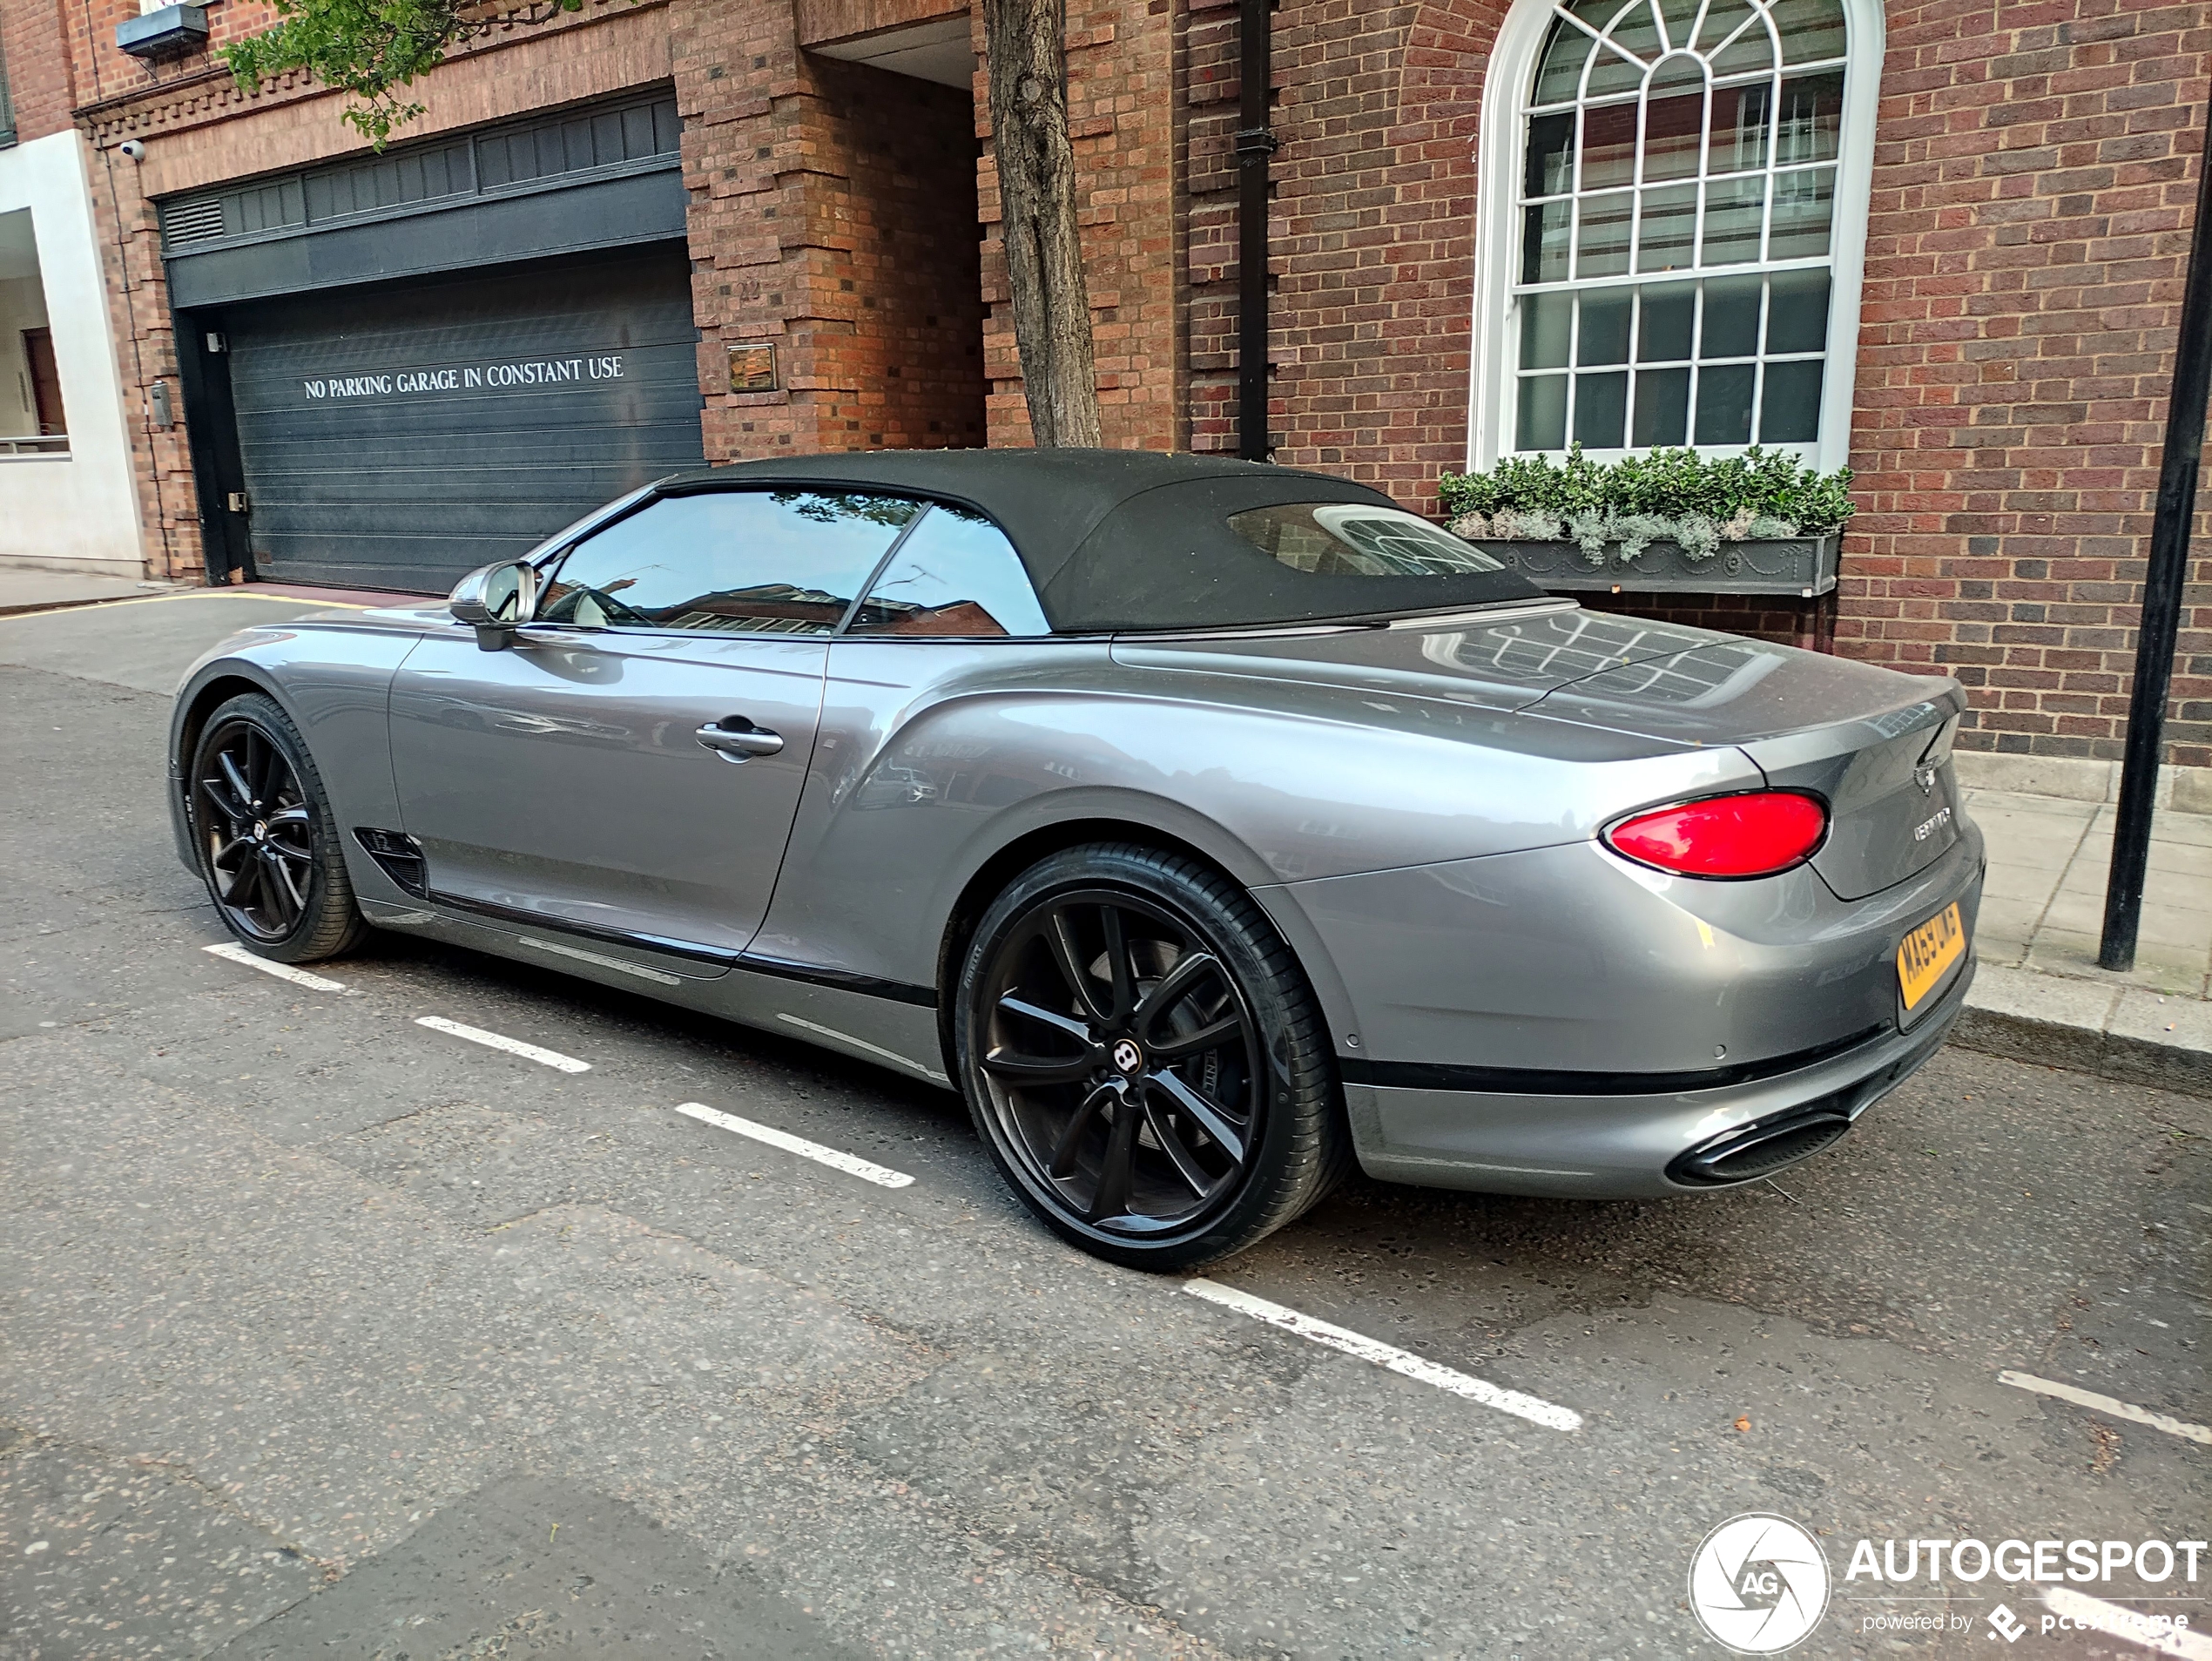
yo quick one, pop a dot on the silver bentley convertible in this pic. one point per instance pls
(1207, 826)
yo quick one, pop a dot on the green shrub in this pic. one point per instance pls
(1664, 494)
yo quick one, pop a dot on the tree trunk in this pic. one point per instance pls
(1025, 50)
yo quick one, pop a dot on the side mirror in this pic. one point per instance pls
(495, 600)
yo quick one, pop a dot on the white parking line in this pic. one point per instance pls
(1530, 1408)
(2116, 1620)
(2106, 1404)
(512, 1046)
(231, 952)
(867, 1171)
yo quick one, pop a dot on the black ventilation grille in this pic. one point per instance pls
(400, 857)
(199, 220)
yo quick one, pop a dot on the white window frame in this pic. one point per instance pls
(1503, 134)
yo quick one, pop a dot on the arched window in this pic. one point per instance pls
(1673, 241)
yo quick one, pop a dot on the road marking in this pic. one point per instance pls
(2116, 1620)
(230, 951)
(1530, 1408)
(512, 1046)
(867, 1171)
(891, 1056)
(2106, 1404)
(638, 969)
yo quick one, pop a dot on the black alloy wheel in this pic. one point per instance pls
(267, 847)
(1144, 1060)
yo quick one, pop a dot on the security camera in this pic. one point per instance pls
(133, 149)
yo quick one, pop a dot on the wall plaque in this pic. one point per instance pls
(752, 368)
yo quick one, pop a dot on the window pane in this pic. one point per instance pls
(1732, 318)
(1604, 251)
(1608, 145)
(1543, 412)
(1561, 78)
(1670, 229)
(1611, 73)
(1605, 326)
(1671, 132)
(1732, 209)
(1551, 155)
(1810, 29)
(1813, 114)
(1802, 202)
(781, 562)
(1662, 407)
(1600, 405)
(1637, 33)
(955, 575)
(1543, 251)
(1544, 322)
(1680, 16)
(1739, 127)
(1663, 336)
(1796, 312)
(1751, 50)
(1723, 18)
(1724, 404)
(1790, 413)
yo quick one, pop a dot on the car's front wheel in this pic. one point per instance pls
(268, 844)
(1144, 1058)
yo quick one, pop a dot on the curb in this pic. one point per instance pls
(2116, 1032)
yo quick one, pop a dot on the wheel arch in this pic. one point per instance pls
(1016, 855)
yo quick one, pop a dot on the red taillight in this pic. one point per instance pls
(1754, 835)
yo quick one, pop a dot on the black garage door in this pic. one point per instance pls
(399, 436)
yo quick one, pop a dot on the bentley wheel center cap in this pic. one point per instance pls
(1127, 1056)
(260, 831)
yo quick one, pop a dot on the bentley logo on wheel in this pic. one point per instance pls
(1127, 1056)
(1759, 1584)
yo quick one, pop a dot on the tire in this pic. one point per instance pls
(268, 844)
(1165, 1117)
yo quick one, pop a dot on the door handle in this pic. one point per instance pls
(736, 738)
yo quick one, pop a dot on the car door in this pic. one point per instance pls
(630, 766)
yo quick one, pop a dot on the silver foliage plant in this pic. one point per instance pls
(1593, 531)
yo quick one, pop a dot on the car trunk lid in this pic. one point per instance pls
(1874, 743)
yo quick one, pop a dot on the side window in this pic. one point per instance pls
(757, 562)
(956, 574)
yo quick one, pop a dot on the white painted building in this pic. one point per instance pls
(67, 497)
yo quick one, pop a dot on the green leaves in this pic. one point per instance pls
(1754, 489)
(372, 50)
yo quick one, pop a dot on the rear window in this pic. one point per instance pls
(1341, 539)
(1260, 547)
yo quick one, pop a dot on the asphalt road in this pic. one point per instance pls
(323, 1332)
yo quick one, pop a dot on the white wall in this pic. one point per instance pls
(78, 511)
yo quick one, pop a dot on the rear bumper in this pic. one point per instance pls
(1669, 1142)
(1558, 1023)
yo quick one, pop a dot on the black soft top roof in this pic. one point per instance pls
(1118, 539)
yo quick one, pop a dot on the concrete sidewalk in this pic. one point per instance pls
(2040, 996)
(27, 587)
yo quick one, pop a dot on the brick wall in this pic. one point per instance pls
(834, 217)
(32, 39)
(2035, 174)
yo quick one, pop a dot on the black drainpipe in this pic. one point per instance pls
(1255, 143)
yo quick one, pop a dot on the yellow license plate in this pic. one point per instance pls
(1927, 952)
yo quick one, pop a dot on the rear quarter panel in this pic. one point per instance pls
(935, 756)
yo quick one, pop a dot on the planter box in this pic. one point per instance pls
(1804, 567)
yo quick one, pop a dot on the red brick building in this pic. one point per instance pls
(1942, 242)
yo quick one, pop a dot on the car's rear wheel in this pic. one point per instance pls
(268, 846)
(1144, 1059)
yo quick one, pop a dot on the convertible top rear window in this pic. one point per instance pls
(1249, 549)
